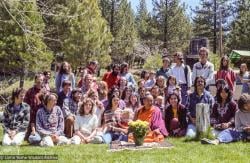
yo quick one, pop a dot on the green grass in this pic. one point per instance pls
(181, 152)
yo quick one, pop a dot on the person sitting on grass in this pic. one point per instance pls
(86, 124)
(242, 125)
(200, 95)
(152, 114)
(16, 119)
(112, 120)
(223, 111)
(70, 109)
(175, 116)
(50, 123)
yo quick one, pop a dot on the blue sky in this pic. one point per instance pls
(190, 3)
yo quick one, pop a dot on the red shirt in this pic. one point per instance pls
(111, 79)
(229, 76)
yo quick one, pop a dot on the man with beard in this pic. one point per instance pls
(200, 95)
(112, 78)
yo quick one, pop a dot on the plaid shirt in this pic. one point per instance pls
(112, 117)
(16, 118)
(70, 107)
(50, 122)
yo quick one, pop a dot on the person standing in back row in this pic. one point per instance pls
(182, 73)
(204, 68)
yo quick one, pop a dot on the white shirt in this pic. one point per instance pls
(86, 124)
(206, 71)
(179, 73)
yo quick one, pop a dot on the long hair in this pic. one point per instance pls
(110, 104)
(227, 90)
(222, 67)
(174, 94)
(168, 81)
(124, 92)
(195, 82)
(138, 103)
(245, 66)
(81, 107)
(62, 71)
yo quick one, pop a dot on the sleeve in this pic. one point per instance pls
(194, 73)
(238, 125)
(58, 82)
(39, 124)
(211, 75)
(214, 115)
(26, 119)
(95, 122)
(73, 80)
(76, 124)
(189, 77)
(188, 105)
(6, 119)
(132, 80)
(65, 108)
(60, 127)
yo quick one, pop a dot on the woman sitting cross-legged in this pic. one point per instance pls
(50, 123)
(86, 124)
(113, 127)
(16, 119)
(242, 125)
(176, 116)
(223, 111)
(153, 116)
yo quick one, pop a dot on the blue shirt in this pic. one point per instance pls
(194, 98)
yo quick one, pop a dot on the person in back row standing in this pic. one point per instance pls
(182, 73)
(204, 68)
(165, 69)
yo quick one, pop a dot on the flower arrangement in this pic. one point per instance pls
(139, 129)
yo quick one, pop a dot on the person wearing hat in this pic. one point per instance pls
(182, 73)
(165, 69)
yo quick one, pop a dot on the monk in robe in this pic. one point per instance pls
(153, 116)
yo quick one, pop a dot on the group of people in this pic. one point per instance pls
(99, 111)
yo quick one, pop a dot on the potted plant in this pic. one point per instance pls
(139, 129)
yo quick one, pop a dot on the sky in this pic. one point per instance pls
(190, 3)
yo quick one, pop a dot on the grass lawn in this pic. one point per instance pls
(182, 152)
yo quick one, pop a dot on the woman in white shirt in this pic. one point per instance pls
(86, 124)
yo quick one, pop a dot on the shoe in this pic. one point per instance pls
(208, 141)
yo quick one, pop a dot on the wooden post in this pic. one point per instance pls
(202, 118)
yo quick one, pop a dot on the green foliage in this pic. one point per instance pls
(173, 26)
(203, 21)
(139, 128)
(215, 59)
(153, 62)
(21, 38)
(239, 37)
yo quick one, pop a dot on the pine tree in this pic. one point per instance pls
(143, 22)
(21, 38)
(85, 34)
(124, 33)
(173, 26)
(206, 21)
(239, 36)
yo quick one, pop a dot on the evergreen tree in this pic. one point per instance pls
(21, 38)
(206, 21)
(239, 36)
(124, 33)
(173, 26)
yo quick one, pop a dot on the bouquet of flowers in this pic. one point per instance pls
(139, 129)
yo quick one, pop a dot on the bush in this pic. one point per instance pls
(153, 62)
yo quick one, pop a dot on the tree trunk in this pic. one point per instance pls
(202, 117)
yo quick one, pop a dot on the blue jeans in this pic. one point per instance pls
(110, 136)
(230, 135)
(191, 131)
(34, 139)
